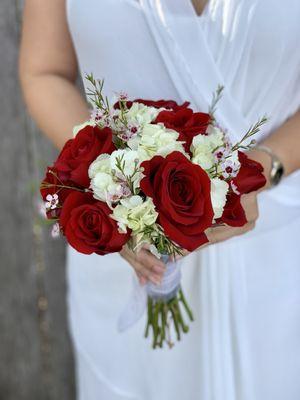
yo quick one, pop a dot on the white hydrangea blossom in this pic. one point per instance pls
(219, 190)
(135, 213)
(130, 174)
(128, 158)
(101, 164)
(102, 183)
(158, 140)
(203, 147)
(105, 189)
(141, 115)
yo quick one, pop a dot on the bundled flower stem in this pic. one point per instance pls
(150, 172)
(161, 314)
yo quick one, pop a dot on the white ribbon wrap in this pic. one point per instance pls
(137, 302)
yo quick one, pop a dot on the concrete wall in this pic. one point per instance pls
(35, 354)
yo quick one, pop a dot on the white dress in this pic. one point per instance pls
(245, 292)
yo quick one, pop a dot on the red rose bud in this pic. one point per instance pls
(88, 227)
(78, 153)
(53, 184)
(186, 122)
(168, 104)
(181, 193)
(233, 214)
(250, 176)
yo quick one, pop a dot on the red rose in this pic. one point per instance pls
(52, 184)
(250, 177)
(181, 193)
(88, 227)
(168, 104)
(233, 214)
(186, 122)
(78, 153)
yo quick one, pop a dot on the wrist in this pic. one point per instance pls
(271, 162)
(265, 160)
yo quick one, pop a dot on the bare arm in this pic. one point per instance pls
(285, 143)
(48, 70)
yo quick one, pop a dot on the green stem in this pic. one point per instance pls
(149, 320)
(185, 328)
(163, 325)
(174, 316)
(168, 332)
(155, 325)
(161, 314)
(186, 306)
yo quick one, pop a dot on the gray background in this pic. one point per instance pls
(35, 354)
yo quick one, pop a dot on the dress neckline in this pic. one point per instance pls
(205, 8)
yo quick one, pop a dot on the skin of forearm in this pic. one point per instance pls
(55, 104)
(285, 144)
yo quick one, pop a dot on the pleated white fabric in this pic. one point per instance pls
(245, 342)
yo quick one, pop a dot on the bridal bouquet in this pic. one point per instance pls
(150, 172)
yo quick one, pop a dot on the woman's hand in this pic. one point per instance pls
(146, 265)
(249, 202)
(221, 233)
(150, 268)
